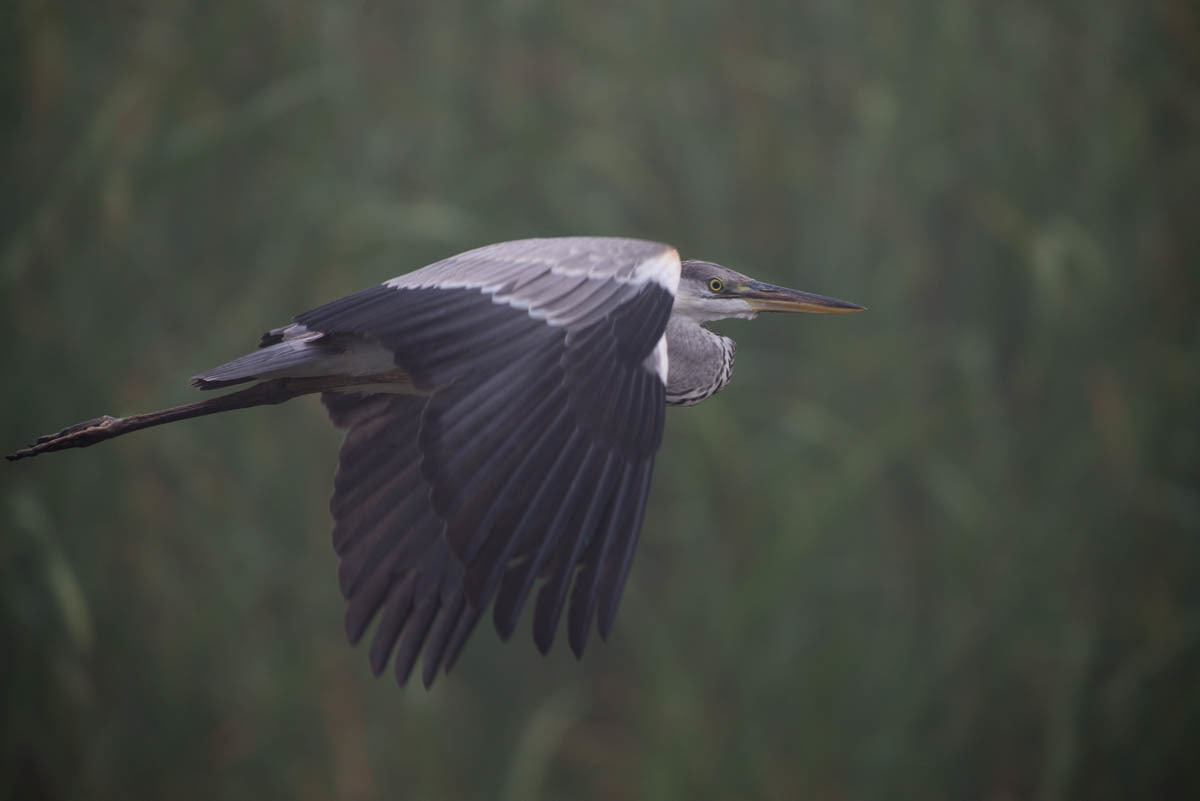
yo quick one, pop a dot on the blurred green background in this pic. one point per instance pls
(946, 549)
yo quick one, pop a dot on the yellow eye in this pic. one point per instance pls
(715, 285)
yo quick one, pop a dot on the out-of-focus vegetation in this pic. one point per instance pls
(946, 549)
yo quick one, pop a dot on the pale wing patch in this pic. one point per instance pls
(657, 361)
(663, 270)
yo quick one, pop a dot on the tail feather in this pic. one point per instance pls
(289, 357)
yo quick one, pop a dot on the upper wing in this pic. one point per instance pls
(541, 366)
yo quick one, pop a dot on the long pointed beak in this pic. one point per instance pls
(768, 297)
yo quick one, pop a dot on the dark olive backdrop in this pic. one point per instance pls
(946, 549)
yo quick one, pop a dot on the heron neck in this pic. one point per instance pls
(699, 362)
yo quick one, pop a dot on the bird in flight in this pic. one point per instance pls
(502, 410)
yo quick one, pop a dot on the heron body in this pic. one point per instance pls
(502, 408)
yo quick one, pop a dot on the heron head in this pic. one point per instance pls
(709, 291)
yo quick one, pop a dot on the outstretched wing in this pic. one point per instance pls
(540, 367)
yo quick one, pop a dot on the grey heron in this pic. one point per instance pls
(502, 408)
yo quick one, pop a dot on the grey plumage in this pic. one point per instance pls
(701, 362)
(503, 408)
(304, 354)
